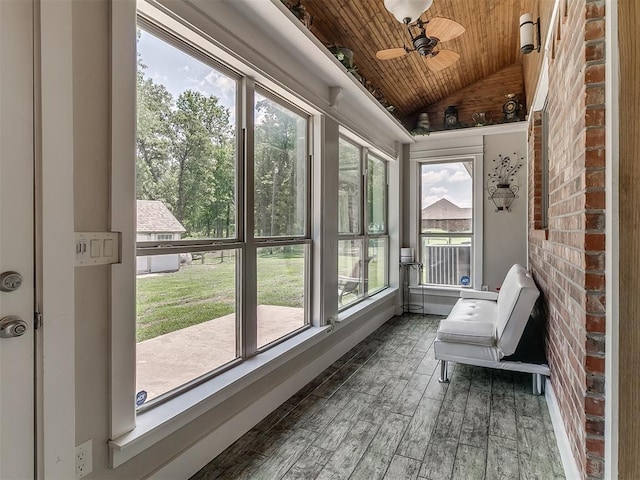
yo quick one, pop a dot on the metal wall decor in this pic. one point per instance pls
(502, 183)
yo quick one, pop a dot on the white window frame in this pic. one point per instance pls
(473, 153)
(364, 235)
(130, 433)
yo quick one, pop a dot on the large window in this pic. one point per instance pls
(446, 222)
(362, 224)
(215, 284)
(281, 225)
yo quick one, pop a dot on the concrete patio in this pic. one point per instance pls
(168, 361)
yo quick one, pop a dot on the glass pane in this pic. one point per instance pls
(377, 264)
(281, 291)
(447, 260)
(447, 197)
(280, 170)
(186, 144)
(350, 271)
(376, 194)
(349, 186)
(186, 320)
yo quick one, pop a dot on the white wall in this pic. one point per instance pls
(505, 233)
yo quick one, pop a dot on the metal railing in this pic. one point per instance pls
(446, 264)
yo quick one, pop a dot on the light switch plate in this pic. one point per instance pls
(97, 248)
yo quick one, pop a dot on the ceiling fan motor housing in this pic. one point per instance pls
(424, 45)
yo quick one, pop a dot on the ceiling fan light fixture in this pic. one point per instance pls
(407, 9)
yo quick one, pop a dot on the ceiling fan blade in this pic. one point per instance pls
(390, 53)
(444, 29)
(442, 59)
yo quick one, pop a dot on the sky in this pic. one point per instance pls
(178, 71)
(447, 180)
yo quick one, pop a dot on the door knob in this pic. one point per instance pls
(12, 326)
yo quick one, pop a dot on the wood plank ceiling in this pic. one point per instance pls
(490, 43)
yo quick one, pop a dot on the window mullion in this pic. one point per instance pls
(248, 270)
(364, 219)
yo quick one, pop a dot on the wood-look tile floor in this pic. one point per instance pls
(379, 412)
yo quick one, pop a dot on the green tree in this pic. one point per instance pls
(279, 171)
(186, 157)
(153, 139)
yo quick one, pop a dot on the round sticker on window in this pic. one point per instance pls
(141, 397)
(465, 281)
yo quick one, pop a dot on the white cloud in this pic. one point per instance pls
(435, 176)
(460, 176)
(159, 78)
(438, 190)
(184, 69)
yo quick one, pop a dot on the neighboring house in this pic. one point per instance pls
(157, 223)
(446, 216)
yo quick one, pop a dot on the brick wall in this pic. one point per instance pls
(568, 259)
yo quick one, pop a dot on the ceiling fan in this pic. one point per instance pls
(431, 33)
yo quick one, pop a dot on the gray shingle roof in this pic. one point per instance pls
(154, 216)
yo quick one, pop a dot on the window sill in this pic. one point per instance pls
(365, 306)
(156, 424)
(438, 291)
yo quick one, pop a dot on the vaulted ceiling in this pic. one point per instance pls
(489, 45)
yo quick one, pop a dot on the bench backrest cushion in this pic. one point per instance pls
(516, 299)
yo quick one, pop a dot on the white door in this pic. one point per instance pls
(17, 445)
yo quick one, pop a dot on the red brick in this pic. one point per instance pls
(595, 117)
(594, 242)
(594, 52)
(594, 74)
(594, 30)
(594, 364)
(594, 281)
(595, 178)
(594, 10)
(594, 158)
(595, 137)
(594, 406)
(594, 95)
(595, 446)
(595, 426)
(595, 200)
(596, 324)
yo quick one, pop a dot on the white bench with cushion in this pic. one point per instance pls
(485, 327)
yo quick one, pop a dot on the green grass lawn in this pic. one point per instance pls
(200, 292)
(205, 289)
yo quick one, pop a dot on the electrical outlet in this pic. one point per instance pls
(84, 463)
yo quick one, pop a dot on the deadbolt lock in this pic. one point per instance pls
(10, 281)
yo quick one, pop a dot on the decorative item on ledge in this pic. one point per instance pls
(511, 108)
(502, 183)
(451, 117)
(300, 12)
(423, 126)
(480, 119)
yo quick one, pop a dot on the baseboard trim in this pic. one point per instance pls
(566, 455)
(198, 455)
